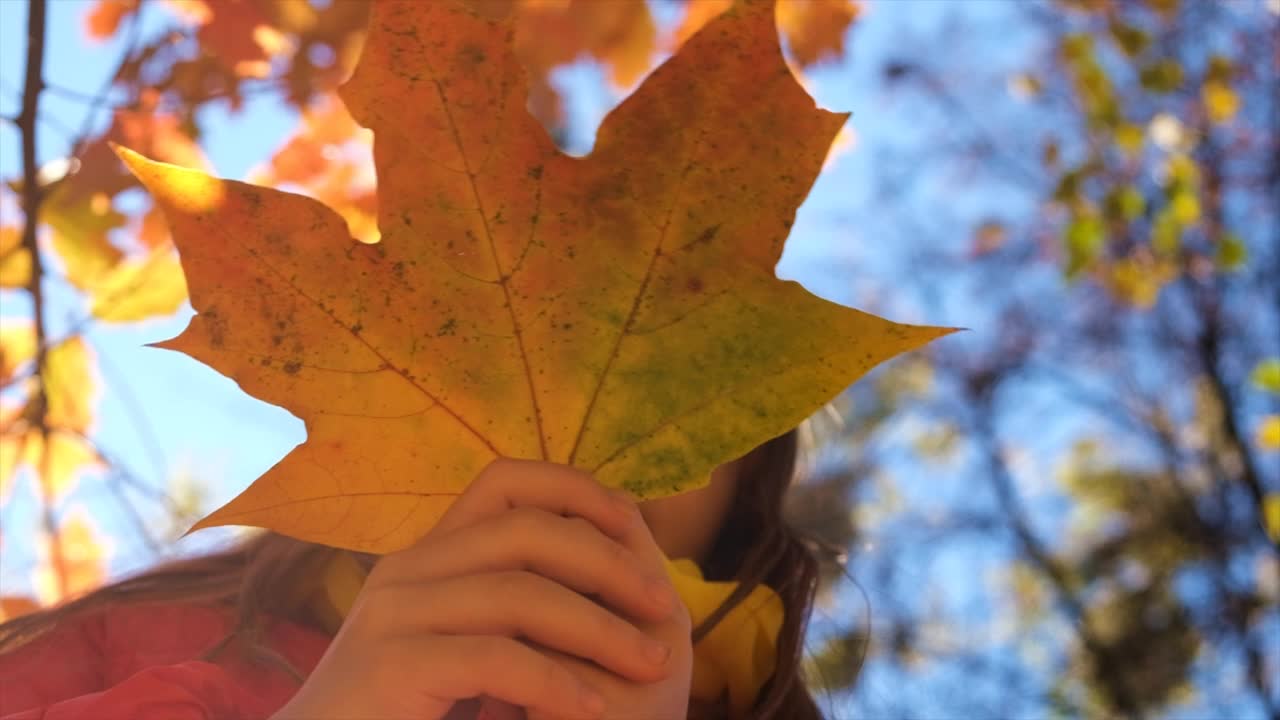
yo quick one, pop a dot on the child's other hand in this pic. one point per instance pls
(532, 591)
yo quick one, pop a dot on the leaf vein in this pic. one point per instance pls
(346, 327)
(493, 250)
(635, 305)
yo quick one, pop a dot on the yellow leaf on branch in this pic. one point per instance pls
(1271, 516)
(816, 29)
(79, 239)
(1268, 433)
(70, 385)
(82, 565)
(15, 260)
(69, 456)
(139, 289)
(17, 346)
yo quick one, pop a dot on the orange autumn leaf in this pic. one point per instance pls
(161, 133)
(80, 212)
(103, 19)
(238, 33)
(620, 35)
(697, 13)
(151, 231)
(330, 159)
(156, 133)
(815, 29)
(326, 125)
(619, 312)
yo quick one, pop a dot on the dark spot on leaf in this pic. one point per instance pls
(217, 327)
(472, 54)
(356, 328)
(450, 327)
(292, 367)
(276, 340)
(694, 284)
(535, 172)
(708, 235)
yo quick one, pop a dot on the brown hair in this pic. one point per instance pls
(755, 546)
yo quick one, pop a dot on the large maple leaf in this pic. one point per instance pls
(618, 313)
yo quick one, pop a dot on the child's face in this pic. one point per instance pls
(686, 525)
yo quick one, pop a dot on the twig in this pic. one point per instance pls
(98, 100)
(141, 425)
(1108, 670)
(32, 197)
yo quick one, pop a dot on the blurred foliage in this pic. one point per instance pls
(1104, 447)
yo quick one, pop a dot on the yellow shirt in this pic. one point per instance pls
(735, 658)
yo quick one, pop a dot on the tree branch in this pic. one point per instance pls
(32, 197)
(1107, 667)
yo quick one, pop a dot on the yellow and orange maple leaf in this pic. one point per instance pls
(619, 312)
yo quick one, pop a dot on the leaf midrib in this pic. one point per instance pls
(503, 278)
(635, 304)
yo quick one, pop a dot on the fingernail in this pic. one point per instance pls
(590, 701)
(660, 594)
(656, 652)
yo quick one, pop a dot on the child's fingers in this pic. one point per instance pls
(524, 605)
(639, 540)
(569, 550)
(454, 668)
(505, 484)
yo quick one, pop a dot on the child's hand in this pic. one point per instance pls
(493, 602)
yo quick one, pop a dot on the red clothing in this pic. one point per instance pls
(141, 662)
